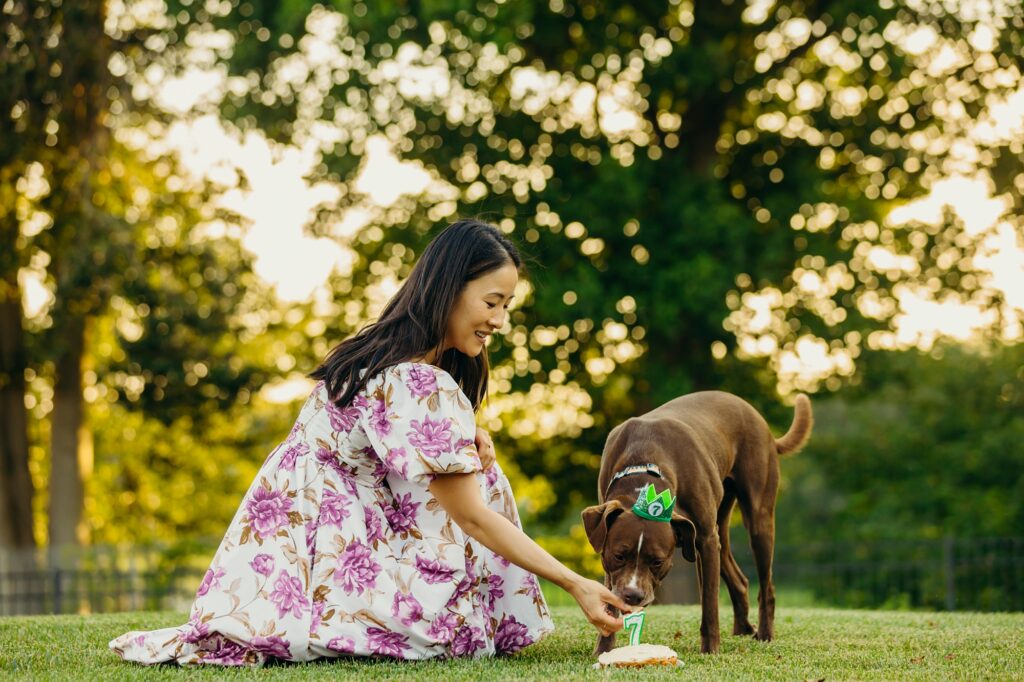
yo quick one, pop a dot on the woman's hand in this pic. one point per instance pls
(484, 448)
(594, 598)
(459, 495)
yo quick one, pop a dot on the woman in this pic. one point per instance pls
(382, 526)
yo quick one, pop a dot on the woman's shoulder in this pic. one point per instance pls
(421, 374)
(420, 380)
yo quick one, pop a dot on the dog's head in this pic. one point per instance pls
(636, 553)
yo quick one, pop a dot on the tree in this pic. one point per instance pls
(115, 232)
(667, 160)
(924, 448)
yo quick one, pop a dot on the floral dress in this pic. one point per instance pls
(340, 549)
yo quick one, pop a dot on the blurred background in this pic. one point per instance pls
(199, 198)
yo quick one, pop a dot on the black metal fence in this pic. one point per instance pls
(945, 574)
(100, 579)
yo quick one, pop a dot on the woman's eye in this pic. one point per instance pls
(491, 305)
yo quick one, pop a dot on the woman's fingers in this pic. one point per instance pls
(618, 603)
(607, 624)
(484, 448)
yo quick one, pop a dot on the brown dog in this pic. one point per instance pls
(710, 449)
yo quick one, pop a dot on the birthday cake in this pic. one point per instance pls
(637, 655)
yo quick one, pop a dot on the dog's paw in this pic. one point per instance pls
(743, 629)
(763, 637)
(709, 646)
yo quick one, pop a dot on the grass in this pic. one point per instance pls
(811, 644)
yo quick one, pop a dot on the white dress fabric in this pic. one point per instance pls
(338, 548)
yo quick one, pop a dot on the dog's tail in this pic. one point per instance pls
(800, 431)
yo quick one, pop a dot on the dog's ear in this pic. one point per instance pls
(686, 536)
(597, 520)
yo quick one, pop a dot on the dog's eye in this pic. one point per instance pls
(619, 556)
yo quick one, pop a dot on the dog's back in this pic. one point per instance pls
(736, 418)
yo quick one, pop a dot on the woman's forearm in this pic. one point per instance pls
(501, 536)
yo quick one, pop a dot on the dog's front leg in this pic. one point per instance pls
(709, 559)
(606, 643)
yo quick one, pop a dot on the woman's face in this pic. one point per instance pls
(480, 310)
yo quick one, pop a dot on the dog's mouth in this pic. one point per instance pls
(647, 601)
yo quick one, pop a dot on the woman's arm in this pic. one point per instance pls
(459, 495)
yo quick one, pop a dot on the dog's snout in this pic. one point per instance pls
(632, 596)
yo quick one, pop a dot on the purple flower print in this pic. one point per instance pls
(433, 572)
(433, 438)
(360, 401)
(406, 609)
(194, 631)
(421, 382)
(442, 630)
(402, 515)
(491, 475)
(311, 530)
(210, 580)
(357, 570)
(268, 511)
(329, 458)
(467, 640)
(511, 636)
(502, 561)
(494, 590)
(297, 426)
(465, 585)
(379, 418)
(397, 459)
(342, 644)
(333, 508)
(226, 652)
(374, 528)
(342, 419)
(289, 596)
(262, 564)
(385, 642)
(531, 587)
(318, 615)
(272, 646)
(291, 453)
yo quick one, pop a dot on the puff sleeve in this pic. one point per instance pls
(420, 423)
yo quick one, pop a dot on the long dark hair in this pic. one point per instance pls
(415, 320)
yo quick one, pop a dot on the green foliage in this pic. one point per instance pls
(654, 227)
(924, 447)
(156, 483)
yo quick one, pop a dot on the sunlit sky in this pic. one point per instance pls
(279, 202)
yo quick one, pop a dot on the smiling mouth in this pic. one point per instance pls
(482, 336)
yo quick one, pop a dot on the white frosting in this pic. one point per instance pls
(638, 653)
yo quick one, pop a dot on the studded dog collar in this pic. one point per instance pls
(634, 469)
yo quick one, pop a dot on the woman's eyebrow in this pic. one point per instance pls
(501, 295)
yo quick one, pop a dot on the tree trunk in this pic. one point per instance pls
(16, 488)
(65, 472)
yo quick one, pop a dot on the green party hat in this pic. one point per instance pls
(654, 506)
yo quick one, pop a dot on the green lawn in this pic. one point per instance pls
(812, 643)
